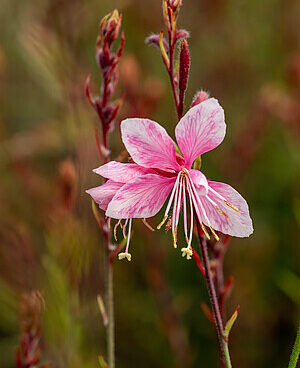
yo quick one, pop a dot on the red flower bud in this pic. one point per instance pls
(199, 97)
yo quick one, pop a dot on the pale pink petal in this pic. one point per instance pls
(149, 144)
(200, 130)
(141, 198)
(121, 173)
(238, 222)
(200, 181)
(104, 193)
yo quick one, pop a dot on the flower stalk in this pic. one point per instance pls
(107, 111)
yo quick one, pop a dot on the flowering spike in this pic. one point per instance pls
(230, 323)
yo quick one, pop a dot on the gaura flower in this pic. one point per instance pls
(139, 189)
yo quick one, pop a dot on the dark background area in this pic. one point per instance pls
(246, 54)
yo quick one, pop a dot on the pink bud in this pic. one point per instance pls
(199, 97)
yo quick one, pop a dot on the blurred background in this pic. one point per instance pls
(246, 54)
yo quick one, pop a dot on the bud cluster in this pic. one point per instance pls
(107, 61)
(177, 66)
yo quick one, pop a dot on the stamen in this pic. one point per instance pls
(147, 224)
(195, 197)
(163, 221)
(214, 234)
(185, 213)
(115, 230)
(179, 201)
(128, 235)
(108, 222)
(192, 215)
(216, 206)
(175, 209)
(204, 230)
(124, 255)
(231, 205)
(124, 229)
(223, 199)
(174, 234)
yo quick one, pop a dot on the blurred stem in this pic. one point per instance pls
(223, 346)
(110, 313)
(296, 351)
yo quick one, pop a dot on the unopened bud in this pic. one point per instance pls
(182, 33)
(199, 97)
(184, 65)
(110, 27)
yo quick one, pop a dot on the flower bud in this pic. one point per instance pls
(153, 39)
(110, 26)
(184, 65)
(199, 97)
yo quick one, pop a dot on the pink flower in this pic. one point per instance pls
(139, 189)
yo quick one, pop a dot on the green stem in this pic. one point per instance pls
(226, 355)
(295, 352)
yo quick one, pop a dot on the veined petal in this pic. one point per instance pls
(200, 181)
(232, 222)
(120, 172)
(104, 193)
(141, 198)
(200, 130)
(149, 144)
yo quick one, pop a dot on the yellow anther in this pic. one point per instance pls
(124, 255)
(174, 234)
(108, 222)
(214, 234)
(223, 213)
(205, 232)
(163, 221)
(231, 205)
(187, 239)
(147, 224)
(187, 252)
(124, 231)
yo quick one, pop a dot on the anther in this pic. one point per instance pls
(231, 205)
(214, 233)
(204, 230)
(163, 221)
(174, 234)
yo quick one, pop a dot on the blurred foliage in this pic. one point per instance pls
(246, 53)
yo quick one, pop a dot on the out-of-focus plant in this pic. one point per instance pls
(28, 354)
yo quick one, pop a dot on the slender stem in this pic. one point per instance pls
(223, 346)
(296, 351)
(110, 314)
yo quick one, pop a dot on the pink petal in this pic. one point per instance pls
(104, 194)
(200, 130)
(119, 172)
(200, 181)
(238, 222)
(141, 198)
(149, 144)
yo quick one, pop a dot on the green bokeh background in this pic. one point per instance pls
(246, 54)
